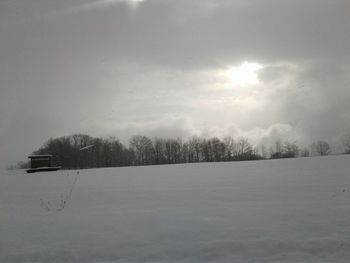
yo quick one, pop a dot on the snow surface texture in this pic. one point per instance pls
(295, 210)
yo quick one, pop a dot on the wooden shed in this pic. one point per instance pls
(40, 163)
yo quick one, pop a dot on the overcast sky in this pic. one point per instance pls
(263, 69)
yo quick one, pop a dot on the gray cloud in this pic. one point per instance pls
(111, 68)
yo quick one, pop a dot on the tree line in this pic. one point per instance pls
(84, 151)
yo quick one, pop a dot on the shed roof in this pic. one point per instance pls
(39, 156)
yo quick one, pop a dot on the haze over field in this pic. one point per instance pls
(263, 69)
(294, 210)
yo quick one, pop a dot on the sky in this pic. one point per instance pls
(262, 69)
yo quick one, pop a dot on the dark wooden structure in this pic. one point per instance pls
(41, 163)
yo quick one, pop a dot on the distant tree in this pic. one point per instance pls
(346, 143)
(321, 148)
(159, 151)
(219, 149)
(277, 152)
(97, 158)
(290, 150)
(264, 152)
(194, 146)
(305, 152)
(230, 148)
(191, 152)
(168, 151)
(176, 150)
(119, 155)
(278, 146)
(206, 150)
(110, 152)
(244, 150)
(143, 148)
(285, 150)
(185, 153)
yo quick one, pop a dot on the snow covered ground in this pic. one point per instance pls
(295, 210)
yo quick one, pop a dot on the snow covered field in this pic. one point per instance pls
(295, 210)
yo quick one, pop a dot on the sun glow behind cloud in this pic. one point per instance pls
(245, 74)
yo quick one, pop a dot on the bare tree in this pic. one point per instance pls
(159, 151)
(110, 152)
(277, 152)
(321, 148)
(264, 152)
(195, 148)
(305, 152)
(284, 150)
(290, 150)
(218, 149)
(206, 150)
(185, 153)
(143, 149)
(346, 143)
(244, 149)
(230, 148)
